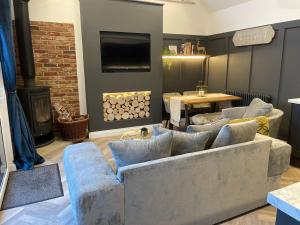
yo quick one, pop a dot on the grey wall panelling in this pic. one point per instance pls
(265, 78)
(217, 67)
(238, 67)
(269, 69)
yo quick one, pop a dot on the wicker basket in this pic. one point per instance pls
(76, 130)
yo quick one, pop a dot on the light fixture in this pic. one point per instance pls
(184, 56)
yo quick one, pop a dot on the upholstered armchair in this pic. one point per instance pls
(275, 118)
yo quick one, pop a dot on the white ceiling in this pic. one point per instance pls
(214, 5)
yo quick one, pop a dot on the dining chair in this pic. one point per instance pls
(166, 101)
(224, 105)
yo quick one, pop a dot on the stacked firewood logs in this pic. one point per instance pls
(65, 115)
(123, 106)
(63, 112)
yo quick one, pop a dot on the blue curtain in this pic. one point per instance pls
(25, 155)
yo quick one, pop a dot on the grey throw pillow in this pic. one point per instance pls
(184, 142)
(258, 108)
(236, 133)
(129, 152)
(214, 128)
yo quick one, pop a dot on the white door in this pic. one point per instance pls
(6, 150)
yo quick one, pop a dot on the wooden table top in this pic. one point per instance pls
(208, 98)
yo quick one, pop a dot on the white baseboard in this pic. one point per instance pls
(119, 131)
(11, 166)
(3, 186)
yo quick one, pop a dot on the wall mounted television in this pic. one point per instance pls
(125, 52)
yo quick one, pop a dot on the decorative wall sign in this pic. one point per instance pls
(254, 36)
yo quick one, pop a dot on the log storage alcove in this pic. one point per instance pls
(126, 105)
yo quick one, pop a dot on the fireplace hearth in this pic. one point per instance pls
(35, 100)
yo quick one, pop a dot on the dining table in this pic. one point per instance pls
(189, 100)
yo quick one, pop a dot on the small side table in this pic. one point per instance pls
(135, 135)
(287, 202)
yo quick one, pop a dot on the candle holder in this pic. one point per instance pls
(144, 132)
(202, 88)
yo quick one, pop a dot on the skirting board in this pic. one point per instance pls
(120, 131)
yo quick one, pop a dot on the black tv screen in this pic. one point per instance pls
(125, 52)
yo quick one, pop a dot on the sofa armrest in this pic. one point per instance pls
(274, 126)
(274, 122)
(234, 113)
(280, 155)
(97, 197)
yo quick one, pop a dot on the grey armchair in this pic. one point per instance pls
(275, 118)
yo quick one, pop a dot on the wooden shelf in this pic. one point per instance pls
(185, 56)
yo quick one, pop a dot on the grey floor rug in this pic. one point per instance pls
(31, 186)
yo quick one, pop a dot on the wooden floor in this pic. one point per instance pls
(58, 211)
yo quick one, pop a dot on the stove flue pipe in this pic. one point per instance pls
(24, 39)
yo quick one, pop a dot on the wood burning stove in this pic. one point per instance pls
(35, 100)
(37, 107)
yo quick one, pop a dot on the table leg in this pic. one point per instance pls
(214, 106)
(186, 112)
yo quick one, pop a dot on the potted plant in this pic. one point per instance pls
(167, 62)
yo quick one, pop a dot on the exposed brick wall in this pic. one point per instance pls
(55, 62)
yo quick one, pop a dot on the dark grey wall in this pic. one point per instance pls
(270, 69)
(183, 75)
(108, 15)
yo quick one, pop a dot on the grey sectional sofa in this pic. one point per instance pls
(201, 188)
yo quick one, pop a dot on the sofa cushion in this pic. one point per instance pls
(199, 120)
(202, 119)
(127, 152)
(234, 113)
(183, 143)
(231, 134)
(262, 121)
(214, 128)
(258, 108)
